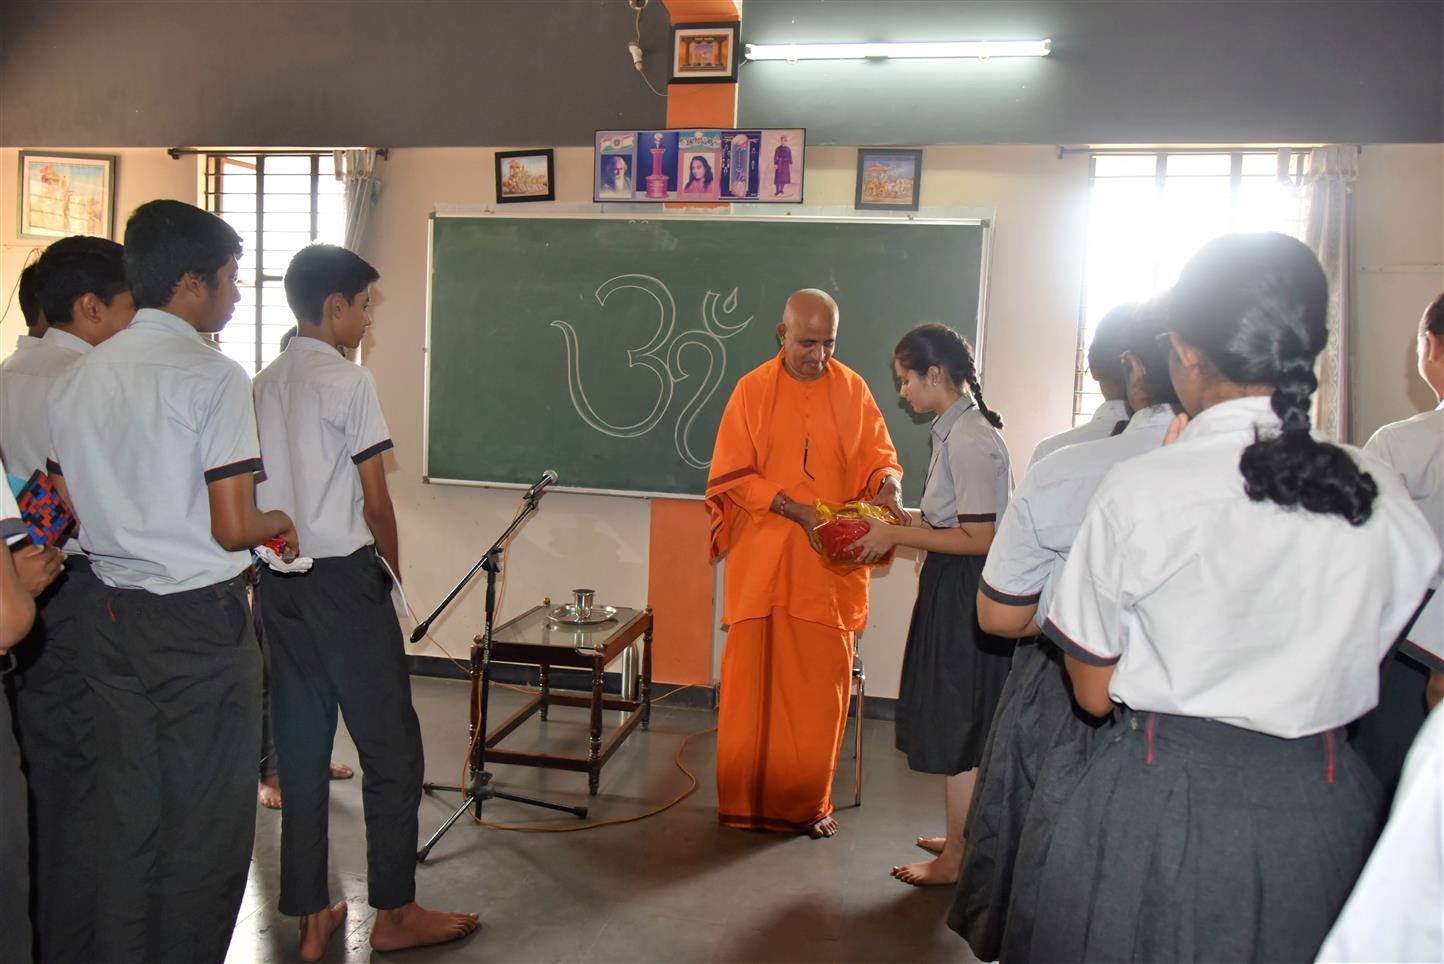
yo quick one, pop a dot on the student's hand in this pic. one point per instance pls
(38, 566)
(1175, 428)
(292, 541)
(889, 496)
(878, 542)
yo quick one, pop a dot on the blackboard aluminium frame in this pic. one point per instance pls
(901, 223)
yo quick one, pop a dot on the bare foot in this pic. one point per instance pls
(414, 926)
(826, 827)
(317, 928)
(268, 792)
(926, 873)
(933, 845)
(340, 771)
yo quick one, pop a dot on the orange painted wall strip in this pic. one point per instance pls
(702, 11)
(680, 581)
(681, 590)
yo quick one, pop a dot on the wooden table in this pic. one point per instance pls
(533, 639)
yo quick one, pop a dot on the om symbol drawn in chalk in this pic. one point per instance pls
(662, 357)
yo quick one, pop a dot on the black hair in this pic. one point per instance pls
(1434, 317)
(936, 344)
(30, 294)
(321, 270)
(76, 266)
(1148, 344)
(167, 240)
(1110, 341)
(1256, 305)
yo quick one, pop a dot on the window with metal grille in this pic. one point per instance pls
(278, 203)
(1150, 210)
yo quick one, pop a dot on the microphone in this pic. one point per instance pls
(549, 477)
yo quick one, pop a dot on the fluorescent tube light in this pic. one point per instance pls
(980, 49)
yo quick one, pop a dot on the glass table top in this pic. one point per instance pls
(533, 628)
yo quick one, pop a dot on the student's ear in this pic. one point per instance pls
(1188, 356)
(85, 308)
(1433, 346)
(333, 307)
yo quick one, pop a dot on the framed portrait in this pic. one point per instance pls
(708, 165)
(704, 53)
(524, 176)
(65, 194)
(888, 180)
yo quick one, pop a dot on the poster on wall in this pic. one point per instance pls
(757, 165)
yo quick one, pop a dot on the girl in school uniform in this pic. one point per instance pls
(1234, 591)
(952, 671)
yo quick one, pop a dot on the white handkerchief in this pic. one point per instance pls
(269, 557)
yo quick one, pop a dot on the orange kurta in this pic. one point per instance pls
(788, 662)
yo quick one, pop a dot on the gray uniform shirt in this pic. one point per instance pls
(970, 477)
(25, 382)
(139, 429)
(319, 418)
(1033, 540)
(1105, 419)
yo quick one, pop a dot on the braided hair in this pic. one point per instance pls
(1256, 306)
(936, 344)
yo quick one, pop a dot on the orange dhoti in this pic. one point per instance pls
(788, 663)
(780, 725)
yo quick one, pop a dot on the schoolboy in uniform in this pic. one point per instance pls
(86, 300)
(333, 636)
(1105, 365)
(154, 438)
(1414, 449)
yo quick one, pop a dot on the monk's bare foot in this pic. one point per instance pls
(414, 926)
(933, 845)
(826, 827)
(316, 930)
(926, 873)
(340, 771)
(268, 792)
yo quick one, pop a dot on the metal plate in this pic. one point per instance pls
(569, 616)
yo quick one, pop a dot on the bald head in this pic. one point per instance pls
(808, 333)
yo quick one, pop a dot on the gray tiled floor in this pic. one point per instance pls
(675, 887)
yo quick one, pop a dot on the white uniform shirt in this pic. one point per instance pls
(12, 527)
(1103, 424)
(969, 476)
(1033, 540)
(139, 428)
(1396, 912)
(1414, 448)
(319, 418)
(1212, 605)
(25, 382)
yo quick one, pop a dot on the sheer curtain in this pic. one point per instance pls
(1329, 230)
(356, 169)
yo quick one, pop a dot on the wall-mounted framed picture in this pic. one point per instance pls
(525, 176)
(760, 165)
(704, 53)
(888, 180)
(65, 194)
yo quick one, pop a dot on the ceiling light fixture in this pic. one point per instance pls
(977, 49)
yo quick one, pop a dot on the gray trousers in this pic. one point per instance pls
(14, 843)
(54, 720)
(335, 644)
(178, 720)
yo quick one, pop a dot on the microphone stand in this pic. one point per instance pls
(481, 789)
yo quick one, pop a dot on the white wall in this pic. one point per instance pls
(1039, 206)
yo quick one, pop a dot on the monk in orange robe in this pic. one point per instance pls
(799, 428)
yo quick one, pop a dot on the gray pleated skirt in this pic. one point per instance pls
(1038, 729)
(1191, 840)
(952, 671)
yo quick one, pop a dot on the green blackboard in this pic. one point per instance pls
(605, 347)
